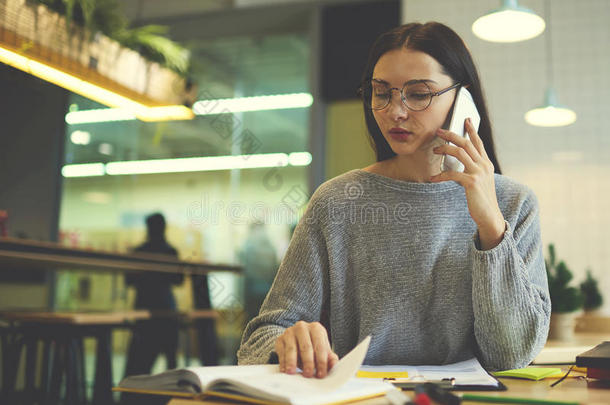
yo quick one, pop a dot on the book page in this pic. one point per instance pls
(294, 388)
(210, 373)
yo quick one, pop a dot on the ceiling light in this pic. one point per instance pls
(201, 107)
(299, 159)
(182, 165)
(197, 164)
(509, 23)
(83, 170)
(99, 115)
(90, 90)
(551, 113)
(105, 148)
(80, 137)
(259, 103)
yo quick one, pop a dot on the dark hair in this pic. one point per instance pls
(155, 224)
(444, 45)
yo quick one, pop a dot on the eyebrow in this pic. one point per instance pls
(414, 81)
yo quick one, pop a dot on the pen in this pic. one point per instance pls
(512, 400)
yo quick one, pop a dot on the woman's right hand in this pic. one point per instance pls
(305, 345)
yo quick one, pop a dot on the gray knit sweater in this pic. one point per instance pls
(400, 261)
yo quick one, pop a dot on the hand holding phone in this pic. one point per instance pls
(463, 107)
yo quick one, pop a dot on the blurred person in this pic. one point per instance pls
(259, 259)
(154, 293)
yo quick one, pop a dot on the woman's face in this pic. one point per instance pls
(398, 67)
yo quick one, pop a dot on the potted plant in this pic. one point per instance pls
(592, 297)
(565, 300)
(92, 40)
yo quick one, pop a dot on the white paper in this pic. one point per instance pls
(266, 381)
(468, 372)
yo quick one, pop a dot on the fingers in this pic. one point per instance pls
(460, 141)
(305, 348)
(458, 153)
(475, 138)
(458, 177)
(280, 349)
(333, 359)
(287, 351)
(305, 345)
(322, 349)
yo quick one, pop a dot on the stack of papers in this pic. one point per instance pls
(466, 374)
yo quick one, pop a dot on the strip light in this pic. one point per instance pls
(83, 170)
(92, 91)
(183, 165)
(201, 107)
(260, 103)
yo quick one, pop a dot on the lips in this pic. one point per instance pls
(400, 134)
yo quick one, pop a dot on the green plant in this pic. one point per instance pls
(592, 297)
(563, 298)
(105, 16)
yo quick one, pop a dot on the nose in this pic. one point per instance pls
(397, 110)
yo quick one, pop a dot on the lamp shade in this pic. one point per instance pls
(509, 23)
(551, 114)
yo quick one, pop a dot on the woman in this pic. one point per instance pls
(437, 266)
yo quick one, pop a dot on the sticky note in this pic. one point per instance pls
(531, 373)
(382, 374)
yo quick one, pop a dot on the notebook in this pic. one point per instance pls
(598, 357)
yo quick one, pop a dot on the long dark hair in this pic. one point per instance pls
(444, 45)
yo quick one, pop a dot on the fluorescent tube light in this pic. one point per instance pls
(90, 90)
(260, 103)
(99, 115)
(181, 165)
(299, 159)
(197, 164)
(201, 107)
(83, 170)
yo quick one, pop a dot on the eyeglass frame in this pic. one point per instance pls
(402, 98)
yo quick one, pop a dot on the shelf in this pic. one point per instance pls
(16, 254)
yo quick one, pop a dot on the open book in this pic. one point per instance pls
(265, 383)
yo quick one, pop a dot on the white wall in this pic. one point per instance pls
(567, 167)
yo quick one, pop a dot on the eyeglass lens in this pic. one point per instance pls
(415, 96)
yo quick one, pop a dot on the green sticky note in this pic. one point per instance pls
(530, 373)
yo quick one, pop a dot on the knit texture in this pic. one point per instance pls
(400, 261)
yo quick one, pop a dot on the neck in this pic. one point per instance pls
(417, 167)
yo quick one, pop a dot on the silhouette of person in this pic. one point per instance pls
(153, 292)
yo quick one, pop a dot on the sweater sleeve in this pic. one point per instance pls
(299, 292)
(510, 294)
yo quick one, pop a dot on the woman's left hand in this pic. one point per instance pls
(478, 182)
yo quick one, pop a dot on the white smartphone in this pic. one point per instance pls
(463, 108)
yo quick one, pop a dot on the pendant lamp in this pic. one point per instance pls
(509, 23)
(551, 113)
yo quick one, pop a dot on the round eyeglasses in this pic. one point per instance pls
(415, 96)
